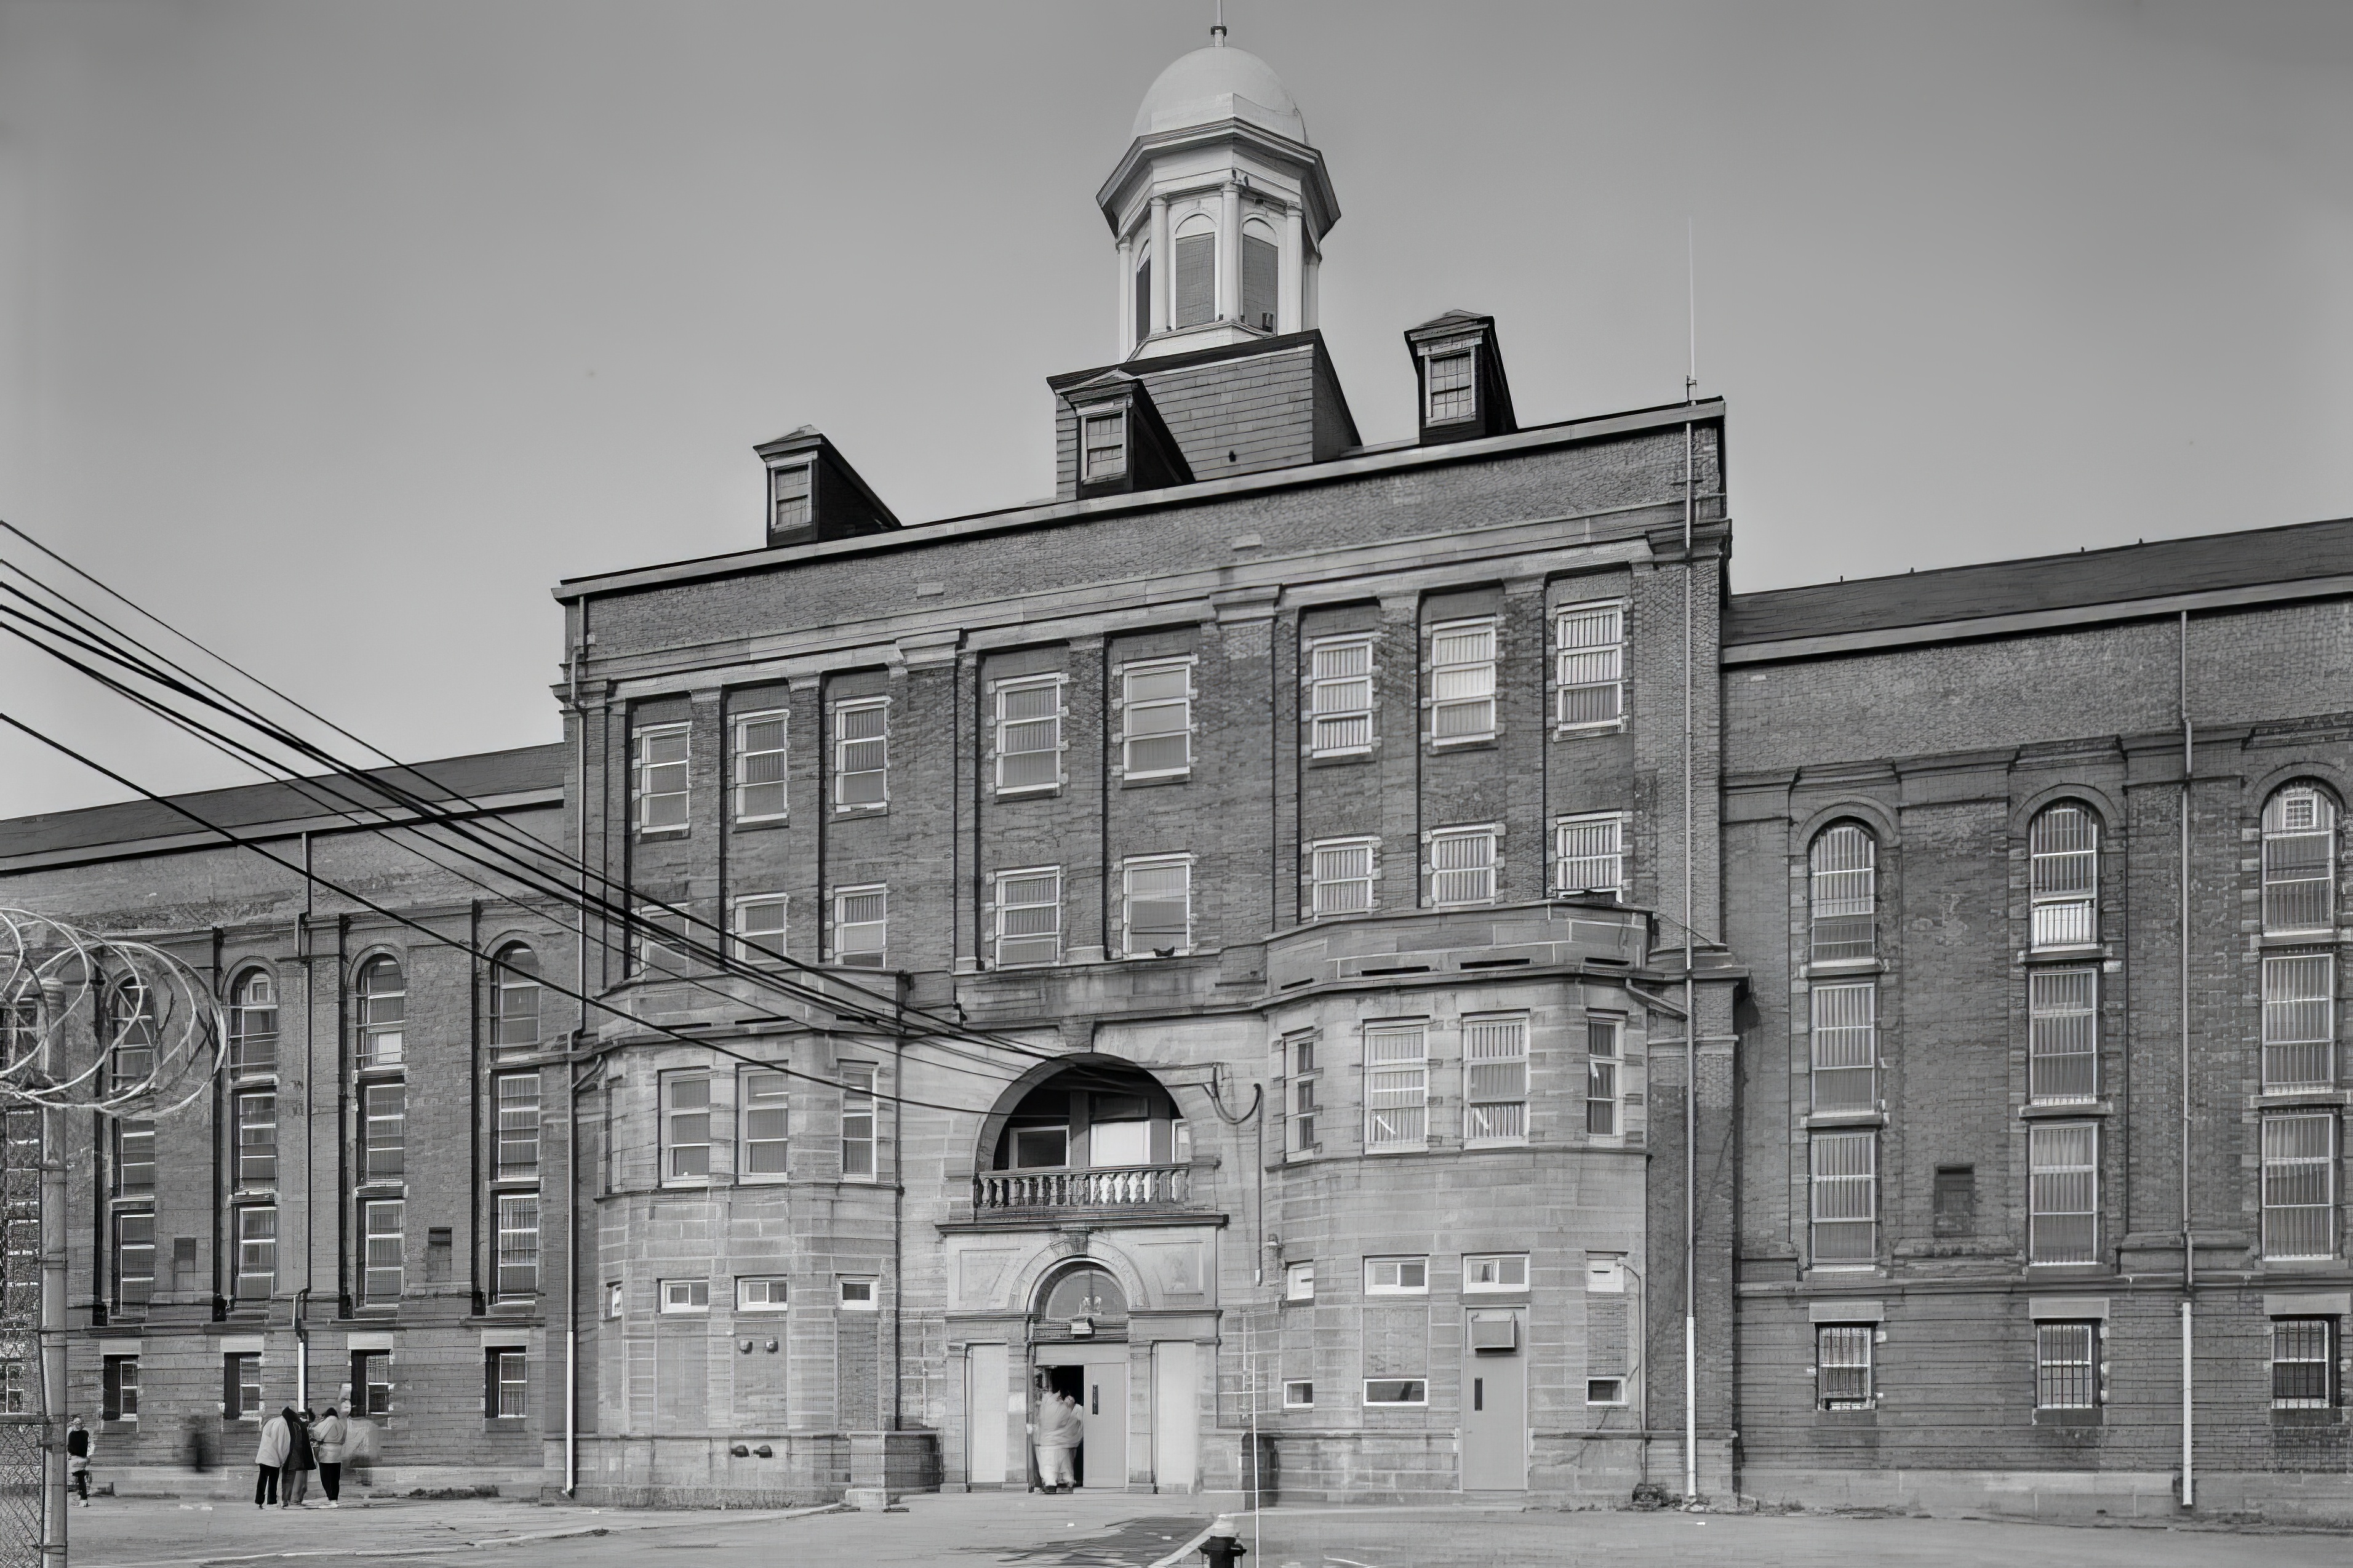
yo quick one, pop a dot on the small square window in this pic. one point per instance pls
(760, 1293)
(686, 1296)
(1496, 1271)
(1299, 1395)
(1299, 1282)
(1605, 1390)
(1397, 1277)
(857, 1296)
(1396, 1390)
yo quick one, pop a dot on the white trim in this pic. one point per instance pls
(736, 755)
(998, 723)
(1127, 895)
(997, 906)
(743, 950)
(1128, 702)
(640, 796)
(840, 706)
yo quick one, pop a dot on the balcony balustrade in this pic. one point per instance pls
(1126, 1187)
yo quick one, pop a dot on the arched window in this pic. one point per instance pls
(2064, 848)
(253, 1023)
(383, 1011)
(514, 999)
(1261, 271)
(1090, 1293)
(131, 1032)
(2299, 860)
(1844, 863)
(1142, 293)
(1196, 248)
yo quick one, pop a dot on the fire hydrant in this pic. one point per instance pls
(1223, 1549)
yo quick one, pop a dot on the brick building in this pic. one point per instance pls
(1258, 942)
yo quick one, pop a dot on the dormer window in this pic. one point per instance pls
(789, 488)
(1106, 446)
(1449, 388)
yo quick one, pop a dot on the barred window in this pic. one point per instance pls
(253, 1024)
(384, 1132)
(760, 765)
(765, 1101)
(256, 1140)
(2299, 860)
(858, 1124)
(1029, 734)
(1589, 665)
(861, 927)
(2066, 1366)
(1029, 917)
(686, 1126)
(2299, 1181)
(1604, 1039)
(788, 490)
(1845, 1199)
(1340, 696)
(1842, 1366)
(1106, 446)
(514, 999)
(1156, 719)
(1341, 872)
(1844, 880)
(760, 929)
(1588, 855)
(1463, 865)
(134, 1156)
(1495, 1079)
(1462, 681)
(518, 1103)
(135, 1261)
(518, 1244)
(2063, 853)
(382, 997)
(2062, 1031)
(861, 753)
(2062, 1192)
(1156, 908)
(2304, 1363)
(2299, 1021)
(1396, 1087)
(1451, 389)
(130, 1033)
(1845, 1030)
(257, 1251)
(662, 778)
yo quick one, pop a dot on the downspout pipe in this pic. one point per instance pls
(571, 1100)
(2189, 1238)
(1691, 1011)
(301, 1349)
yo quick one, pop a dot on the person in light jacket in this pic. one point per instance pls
(1059, 1430)
(327, 1446)
(270, 1457)
(294, 1478)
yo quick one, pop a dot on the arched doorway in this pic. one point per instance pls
(1079, 1351)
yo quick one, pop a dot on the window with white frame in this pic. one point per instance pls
(518, 1272)
(382, 1221)
(257, 1251)
(759, 929)
(514, 999)
(1610, 1391)
(2062, 1035)
(686, 1296)
(119, 1391)
(1105, 444)
(1400, 1391)
(1029, 738)
(253, 1027)
(860, 925)
(383, 1011)
(1845, 1199)
(649, 952)
(517, 1097)
(1396, 1087)
(256, 1142)
(2304, 1363)
(1463, 865)
(760, 765)
(858, 1295)
(760, 1293)
(1496, 1271)
(1156, 719)
(1340, 695)
(507, 1382)
(1604, 1054)
(1299, 1281)
(788, 493)
(131, 1031)
(861, 753)
(1299, 1393)
(1495, 1079)
(1303, 1089)
(2064, 854)
(135, 1261)
(1156, 906)
(384, 1132)
(134, 1155)
(686, 1126)
(1842, 1365)
(2299, 1186)
(1462, 681)
(2062, 1181)
(1842, 888)
(1396, 1276)
(856, 1122)
(1451, 395)
(1588, 644)
(764, 1123)
(1029, 908)
(1588, 855)
(2066, 1366)
(2299, 860)
(2299, 1022)
(1340, 875)
(662, 778)
(1845, 1033)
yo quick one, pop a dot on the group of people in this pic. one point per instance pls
(293, 1444)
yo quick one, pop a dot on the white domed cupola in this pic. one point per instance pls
(1220, 209)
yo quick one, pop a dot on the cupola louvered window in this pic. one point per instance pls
(1261, 266)
(1844, 870)
(2299, 860)
(1197, 279)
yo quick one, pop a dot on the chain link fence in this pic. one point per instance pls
(24, 1424)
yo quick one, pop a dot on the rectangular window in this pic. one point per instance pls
(1604, 1053)
(1156, 719)
(760, 767)
(1588, 855)
(134, 1262)
(1194, 294)
(1842, 1366)
(2299, 1179)
(2063, 1190)
(2304, 1363)
(1462, 681)
(1845, 1028)
(1305, 1081)
(1029, 917)
(1299, 1281)
(518, 1102)
(1496, 1271)
(1589, 665)
(760, 1293)
(686, 1296)
(1341, 873)
(760, 929)
(1494, 1080)
(2062, 1035)
(385, 1132)
(861, 753)
(1340, 696)
(1299, 1393)
(2066, 1367)
(857, 1296)
(2299, 1021)
(120, 1390)
(1397, 1277)
(1029, 734)
(134, 1156)
(764, 1115)
(686, 1127)
(1605, 1390)
(1381, 1391)
(2063, 876)
(384, 1264)
(518, 1244)
(1105, 446)
(857, 1123)
(861, 918)
(256, 1140)
(1955, 1202)
(788, 489)
(257, 1251)
(1450, 391)
(1157, 907)
(661, 778)
(1845, 1202)
(1462, 866)
(1396, 1087)
(370, 1382)
(649, 952)
(243, 1394)
(507, 1377)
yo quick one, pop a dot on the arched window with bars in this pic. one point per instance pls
(2063, 847)
(1844, 891)
(514, 999)
(383, 1012)
(253, 1024)
(130, 1033)
(2299, 860)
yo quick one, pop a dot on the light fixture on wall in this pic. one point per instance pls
(1083, 1328)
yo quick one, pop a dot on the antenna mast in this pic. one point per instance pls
(1217, 28)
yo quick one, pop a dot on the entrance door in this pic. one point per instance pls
(1104, 1411)
(1495, 1419)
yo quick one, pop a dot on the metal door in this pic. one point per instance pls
(1103, 1412)
(1495, 1419)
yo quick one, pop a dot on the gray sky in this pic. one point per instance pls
(339, 331)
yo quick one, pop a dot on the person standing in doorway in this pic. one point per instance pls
(294, 1480)
(271, 1456)
(78, 1459)
(1059, 1432)
(327, 1447)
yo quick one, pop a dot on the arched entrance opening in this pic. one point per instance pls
(1080, 1360)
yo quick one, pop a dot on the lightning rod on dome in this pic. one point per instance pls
(1217, 28)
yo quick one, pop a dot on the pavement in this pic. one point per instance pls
(1118, 1531)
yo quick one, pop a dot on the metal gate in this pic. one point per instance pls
(23, 1422)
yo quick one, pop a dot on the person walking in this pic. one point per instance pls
(294, 1479)
(270, 1457)
(1059, 1432)
(327, 1446)
(78, 1459)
